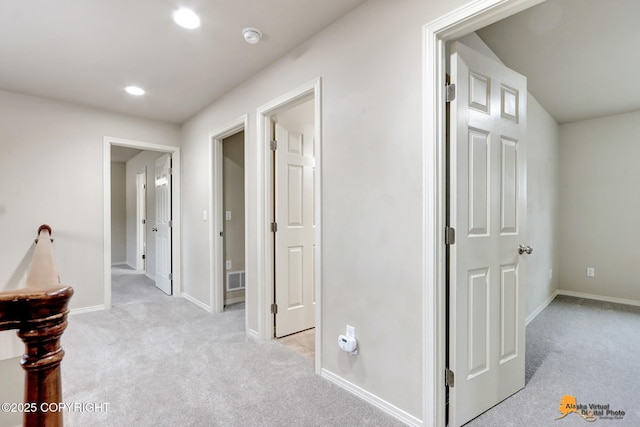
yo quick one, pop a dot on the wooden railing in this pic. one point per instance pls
(39, 313)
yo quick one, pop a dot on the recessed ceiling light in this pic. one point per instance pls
(252, 35)
(134, 90)
(186, 18)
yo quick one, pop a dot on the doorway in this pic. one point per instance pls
(169, 167)
(233, 211)
(293, 162)
(283, 185)
(228, 224)
(450, 27)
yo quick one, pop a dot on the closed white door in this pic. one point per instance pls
(488, 209)
(162, 228)
(295, 235)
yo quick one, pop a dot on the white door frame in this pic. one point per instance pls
(175, 210)
(265, 208)
(216, 220)
(455, 24)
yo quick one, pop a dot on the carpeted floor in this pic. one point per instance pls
(161, 361)
(582, 348)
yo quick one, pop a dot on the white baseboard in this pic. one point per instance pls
(196, 302)
(114, 263)
(542, 307)
(599, 297)
(150, 276)
(374, 400)
(253, 334)
(89, 309)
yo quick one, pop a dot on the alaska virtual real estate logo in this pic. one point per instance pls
(590, 412)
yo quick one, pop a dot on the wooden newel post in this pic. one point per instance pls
(41, 360)
(39, 313)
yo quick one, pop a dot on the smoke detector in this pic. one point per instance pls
(252, 35)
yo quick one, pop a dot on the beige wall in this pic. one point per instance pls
(11, 390)
(233, 201)
(54, 151)
(542, 205)
(145, 160)
(599, 206)
(118, 213)
(370, 63)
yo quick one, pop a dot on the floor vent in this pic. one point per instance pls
(235, 280)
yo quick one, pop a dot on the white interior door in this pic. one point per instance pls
(162, 228)
(141, 220)
(488, 211)
(295, 236)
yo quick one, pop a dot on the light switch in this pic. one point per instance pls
(229, 264)
(227, 215)
(204, 215)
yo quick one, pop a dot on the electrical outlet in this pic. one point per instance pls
(229, 264)
(591, 272)
(227, 215)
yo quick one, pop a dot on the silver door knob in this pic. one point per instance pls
(155, 229)
(522, 249)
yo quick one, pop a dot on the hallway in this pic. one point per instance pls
(159, 360)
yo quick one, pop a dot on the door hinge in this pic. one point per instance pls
(144, 256)
(274, 145)
(449, 235)
(450, 92)
(274, 308)
(170, 276)
(170, 224)
(449, 378)
(144, 221)
(274, 227)
(170, 172)
(144, 186)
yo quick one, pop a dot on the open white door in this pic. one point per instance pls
(163, 224)
(295, 236)
(488, 210)
(141, 220)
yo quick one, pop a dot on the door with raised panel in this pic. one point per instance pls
(295, 236)
(162, 228)
(488, 207)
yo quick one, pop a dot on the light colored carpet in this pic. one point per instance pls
(161, 361)
(582, 348)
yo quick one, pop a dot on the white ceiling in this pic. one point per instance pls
(580, 56)
(86, 52)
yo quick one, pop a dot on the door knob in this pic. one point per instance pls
(155, 229)
(522, 249)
